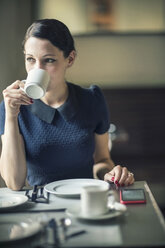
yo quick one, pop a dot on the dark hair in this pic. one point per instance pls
(54, 31)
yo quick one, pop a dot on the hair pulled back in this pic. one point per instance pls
(53, 30)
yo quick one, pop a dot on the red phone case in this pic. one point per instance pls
(130, 201)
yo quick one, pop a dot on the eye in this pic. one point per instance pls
(30, 59)
(49, 60)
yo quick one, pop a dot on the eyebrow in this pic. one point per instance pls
(43, 56)
(49, 55)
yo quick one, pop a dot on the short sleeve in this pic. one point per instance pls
(2, 117)
(101, 111)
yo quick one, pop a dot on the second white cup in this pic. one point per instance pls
(94, 200)
(36, 83)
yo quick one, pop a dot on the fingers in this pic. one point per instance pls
(120, 176)
(130, 179)
(109, 176)
(16, 85)
(15, 96)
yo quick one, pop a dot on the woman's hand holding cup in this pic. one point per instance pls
(22, 92)
(14, 97)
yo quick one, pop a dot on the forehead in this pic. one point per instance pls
(40, 46)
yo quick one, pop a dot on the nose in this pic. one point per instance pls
(39, 65)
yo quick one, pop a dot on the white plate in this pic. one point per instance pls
(76, 213)
(11, 200)
(71, 187)
(13, 230)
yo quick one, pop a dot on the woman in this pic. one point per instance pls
(64, 134)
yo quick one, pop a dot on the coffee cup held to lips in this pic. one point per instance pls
(36, 83)
(94, 200)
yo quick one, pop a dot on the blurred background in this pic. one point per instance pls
(120, 47)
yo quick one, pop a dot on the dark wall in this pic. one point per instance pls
(15, 17)
(139, 115)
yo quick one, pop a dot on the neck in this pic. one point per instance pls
(57, 96)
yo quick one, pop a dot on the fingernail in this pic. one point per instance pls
(123, 185)
(116, 182)
(31, 100)
(112, 178)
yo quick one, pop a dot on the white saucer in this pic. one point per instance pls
(76, 213)
(17, 229)
(11, 200)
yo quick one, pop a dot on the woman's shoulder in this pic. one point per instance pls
(2, 103)
(2, 106)
(2, 117)
(88, 92)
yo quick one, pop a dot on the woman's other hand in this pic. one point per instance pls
(120, 176)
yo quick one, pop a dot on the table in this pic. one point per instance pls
(141, 226)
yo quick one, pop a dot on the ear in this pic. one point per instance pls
(71, 58)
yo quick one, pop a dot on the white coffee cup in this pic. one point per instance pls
(94, 200)
(36, 83)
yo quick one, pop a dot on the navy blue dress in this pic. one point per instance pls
(59, 143)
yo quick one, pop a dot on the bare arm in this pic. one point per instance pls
(103, 162)
(104, 167)
(12, 160)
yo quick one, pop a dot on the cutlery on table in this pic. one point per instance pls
(65, 223)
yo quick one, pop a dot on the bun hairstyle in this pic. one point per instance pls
(53, 30)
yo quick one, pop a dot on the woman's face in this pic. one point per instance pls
(41, 53)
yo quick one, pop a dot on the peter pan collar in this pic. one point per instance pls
(67, 110)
